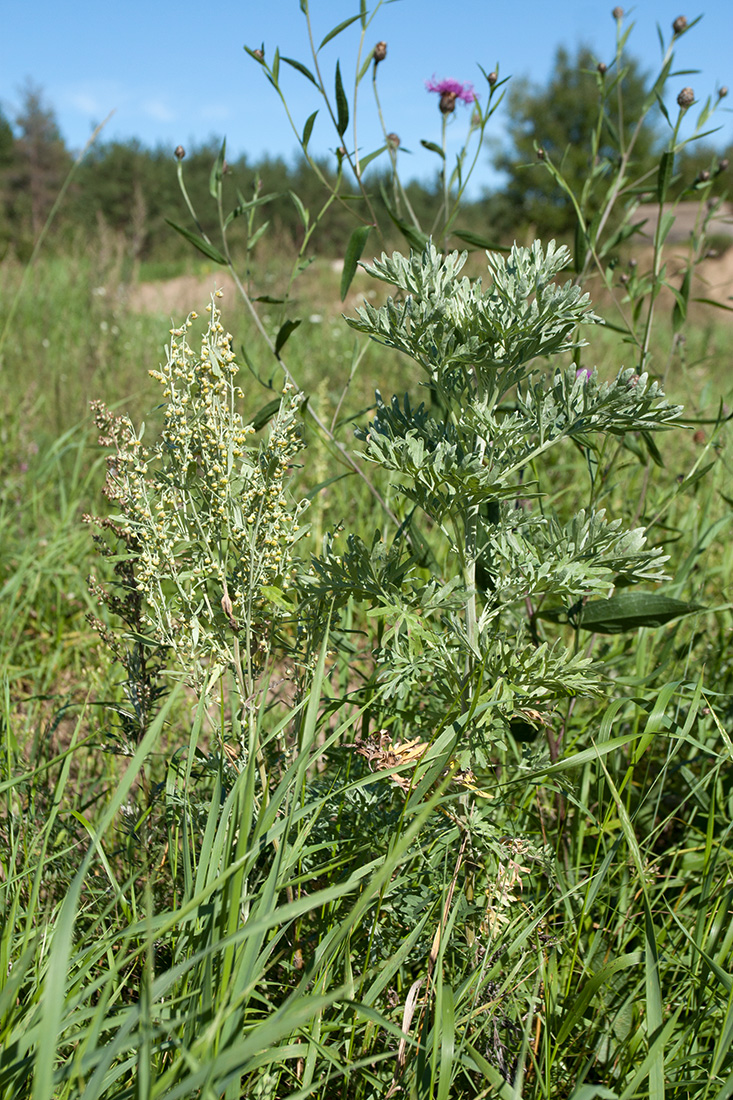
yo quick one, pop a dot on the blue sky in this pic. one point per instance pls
(176, 72)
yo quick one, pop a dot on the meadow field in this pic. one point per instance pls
(365, 618)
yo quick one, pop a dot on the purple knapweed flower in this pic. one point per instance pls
(449, 91)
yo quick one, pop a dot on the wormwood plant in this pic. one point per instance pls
(206, 514)
(465, 641)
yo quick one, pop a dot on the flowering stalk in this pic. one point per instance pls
(210, 514)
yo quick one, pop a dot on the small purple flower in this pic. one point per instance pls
(583, 372)
(449, 91)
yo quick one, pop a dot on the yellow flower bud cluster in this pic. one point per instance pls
(209, 509)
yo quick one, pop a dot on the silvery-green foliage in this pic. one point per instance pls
(469, 338)
(472, 462)
(531, 555)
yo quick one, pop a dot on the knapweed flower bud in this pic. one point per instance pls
(540, 153)
(679, 25)
(703, 176)
(633, 262)
(686, 98)
(618, 13)
(493, 77)
(623, 279)
(447, 103)
(380, 52)
(179, 152)
(723, 92)
(258, 54)
(393, 140)
(723, 165)
(602, 68)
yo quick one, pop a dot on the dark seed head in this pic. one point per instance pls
(723, 92)
(258, 54)
(393, 140)
(703, 176)
(679, 25)
(723, 165)
(633, 262)
(380, 52)
(602, 68)
(540, 153)
(624, 278)
(493, 77)
(686, 98)
(179, 152)
(618, 13)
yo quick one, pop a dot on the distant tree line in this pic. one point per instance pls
(131, 189)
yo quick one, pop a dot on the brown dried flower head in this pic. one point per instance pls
(258, 54)
(393, 140)
(493, 77)
(618, 13)
(179, 152)
(679, 25)
(723, 92)
(540, 153)
(602, 68)
(380, 52)
(686, 98)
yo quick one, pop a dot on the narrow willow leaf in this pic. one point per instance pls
(364, 161)
(257, 234)
(199, 242)
(313, 493)
(265, 414)
(354, 249)
(308, 129)
(663, 108)
(682, 300)
(286, 330)
(365, 68)
(337, 30)
(342, 104)
(301, 69)
(217, 171)
(431, 145)
(302, 212)
(276, 68)
(580, 250)
(626, 611)
(415, 237)
(712, 302)
(664, 175)
(477, 241)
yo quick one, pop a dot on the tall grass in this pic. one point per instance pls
(168, 931)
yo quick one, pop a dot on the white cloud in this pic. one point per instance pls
(92, 99)
(214, 112)
(85, 102)
(157, 109)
